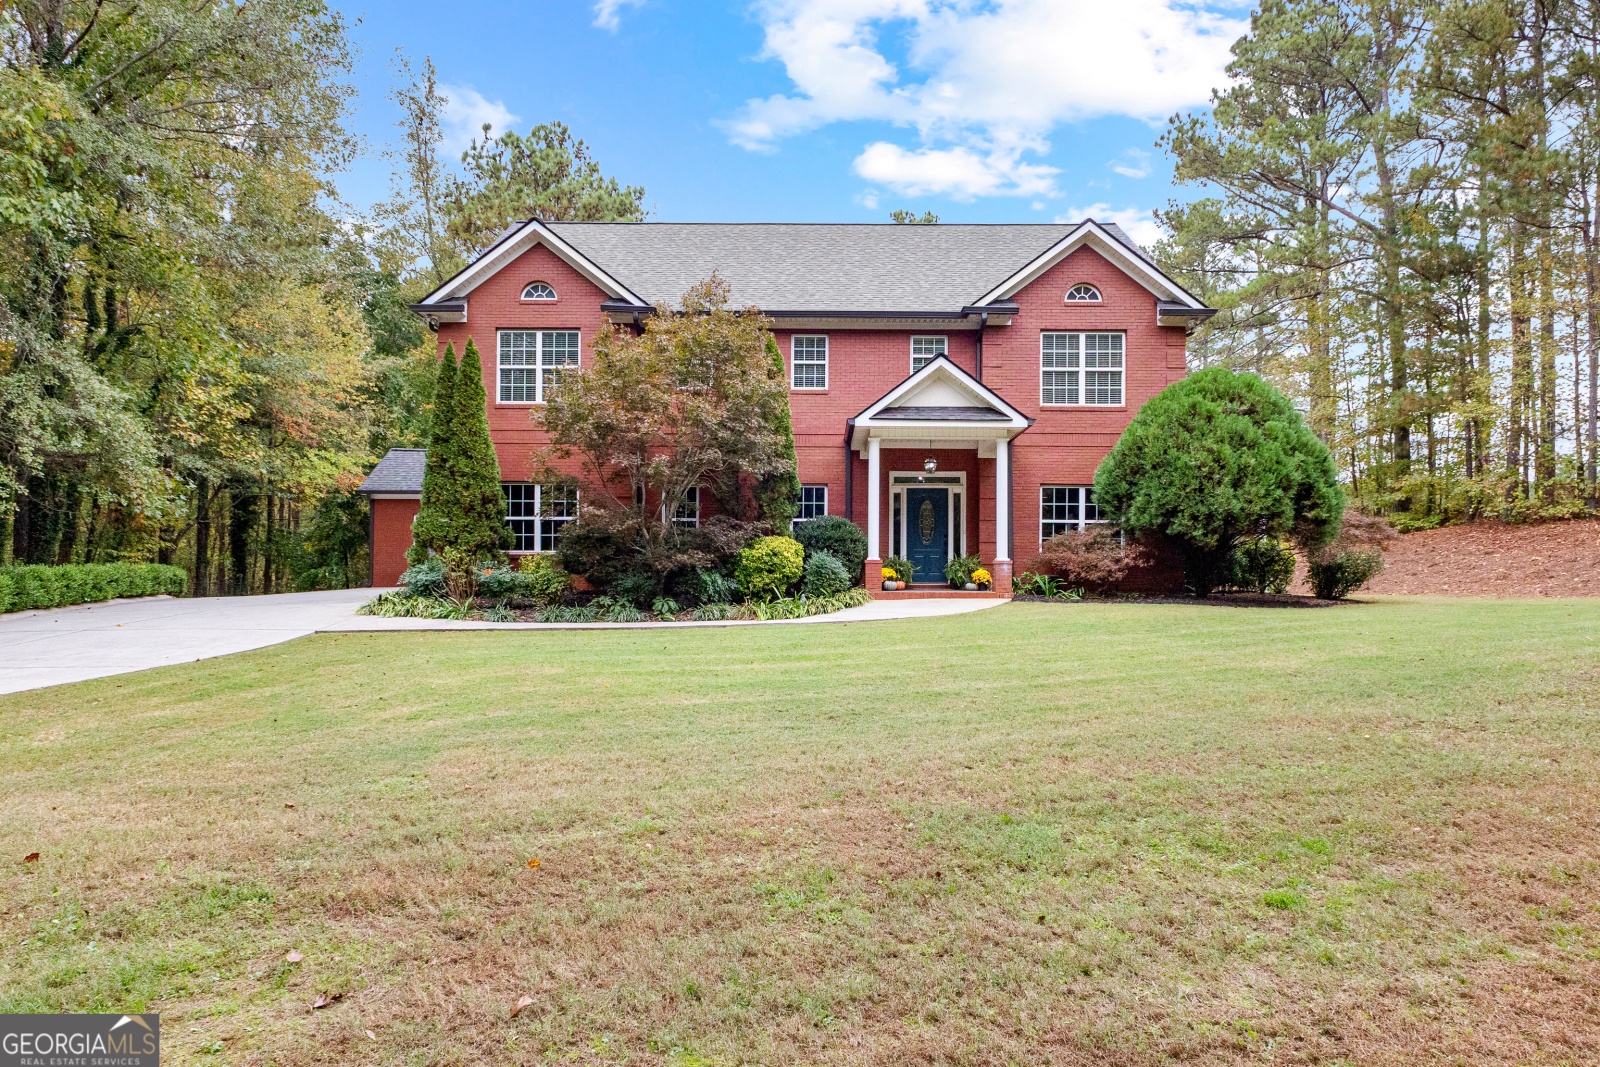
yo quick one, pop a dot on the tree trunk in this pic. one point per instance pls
(241, 517)
(202, 537)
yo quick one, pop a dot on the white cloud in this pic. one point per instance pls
(960, 173)
(465, 112)
(1137, 223)
(1134, 163)
(608, 13)
(982, 85)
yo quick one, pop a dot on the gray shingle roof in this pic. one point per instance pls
(399, 471)
(782, 266)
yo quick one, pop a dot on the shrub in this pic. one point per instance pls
(904, 569)
(664, 606)
(837, 536)
(1265, 565)
(769, 565)
(596, 547)
(1216, 459)
(958, 572)
(1335, 575)
(543, 581)
(702, 585)
(1093, 557)
(499, 613)
(713, 612)
(499, 582)
(29, 586)
(463, 507)
(825, 576)
(425, 578)
(636, 588)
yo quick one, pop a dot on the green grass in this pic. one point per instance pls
(1115, 834)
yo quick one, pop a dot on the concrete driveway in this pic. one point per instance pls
(60, 645)
(40, 648)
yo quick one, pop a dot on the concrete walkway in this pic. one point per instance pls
(60, 645)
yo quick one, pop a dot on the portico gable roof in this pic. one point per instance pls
(940, 401)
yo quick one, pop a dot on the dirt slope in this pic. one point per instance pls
(1491, 559)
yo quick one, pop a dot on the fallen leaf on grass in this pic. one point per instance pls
(324, 999)
(294, 957)
(372, 1035)
(33, 857)
(533, 864)
(522, 1002)
(288, 804)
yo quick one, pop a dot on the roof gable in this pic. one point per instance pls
(939, 391)
(509, 248)
(1092, 234)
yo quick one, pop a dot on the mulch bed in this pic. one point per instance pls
(1494, 559)
(1218, 600)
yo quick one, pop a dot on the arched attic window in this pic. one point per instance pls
(539, 291)
(1083, 293)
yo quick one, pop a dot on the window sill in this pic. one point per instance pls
(800, 389)
(1083, 407)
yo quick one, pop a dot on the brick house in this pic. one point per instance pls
(953, 387)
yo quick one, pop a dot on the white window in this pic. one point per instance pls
(538, 514)
(924, 350)
(531, 362)
(688, 511)
(808, 354)
(539, 291)
(813, 502)
(1080, 368)
(1083, 293)
(1066, 507)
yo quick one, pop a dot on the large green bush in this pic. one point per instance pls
(462, 516)
(1335, 575)
(37, 586)
(837, 536)
(825, 576)
(1217, 459)
(1264, 565)
(769, 565)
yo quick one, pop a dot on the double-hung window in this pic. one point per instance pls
(924, 350)
(1064, 508)
(531, 363)
(687, 514)
(813, 502)
(808, 356)
(1080, 369)
(538, 514)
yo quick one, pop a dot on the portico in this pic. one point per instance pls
(938, 454)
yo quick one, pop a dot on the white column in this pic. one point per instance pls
(1002, 500)
(874, 535)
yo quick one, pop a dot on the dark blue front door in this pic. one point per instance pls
(927, 516)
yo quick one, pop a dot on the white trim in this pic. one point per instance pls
(514, 245)
(1002, 496)
(825, 494)
(1097, 298)
(551, 299)
(1120, 255)
(943, 367)
(955, 526)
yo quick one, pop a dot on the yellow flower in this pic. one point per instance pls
(981, 577)
(889, 575)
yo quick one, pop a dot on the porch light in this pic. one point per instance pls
(930, 464)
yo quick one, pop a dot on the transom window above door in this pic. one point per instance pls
(924, 350)
(1083, 293)
(1080, 369)
(531, 363)
(539, 291)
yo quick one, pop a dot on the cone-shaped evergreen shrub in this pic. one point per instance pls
(429, 529)
(778, 494)
(476, 500)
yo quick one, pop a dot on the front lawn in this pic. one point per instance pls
(1095, 833)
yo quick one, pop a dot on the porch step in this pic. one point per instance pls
(932, 592)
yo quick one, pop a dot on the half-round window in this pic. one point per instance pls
(542, 291)
(1083, 293)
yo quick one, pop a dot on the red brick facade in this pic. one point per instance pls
(1061, 448)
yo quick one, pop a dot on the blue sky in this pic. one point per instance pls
(821, 110)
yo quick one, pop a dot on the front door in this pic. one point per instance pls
(927, 518)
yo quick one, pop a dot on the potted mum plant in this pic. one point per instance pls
(981, 579)
(902, 569)
(889, 576)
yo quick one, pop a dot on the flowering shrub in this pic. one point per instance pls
(982, 577)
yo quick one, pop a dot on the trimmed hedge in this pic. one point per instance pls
(37, 586)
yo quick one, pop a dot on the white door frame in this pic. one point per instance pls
(956, 531)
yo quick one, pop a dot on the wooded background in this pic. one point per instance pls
(203, 348)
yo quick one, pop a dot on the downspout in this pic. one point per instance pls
(849, 472)
(983, 324)
(372, 540)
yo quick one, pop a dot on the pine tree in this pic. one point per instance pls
(779, 492)
(429, 528)
(475, 499)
